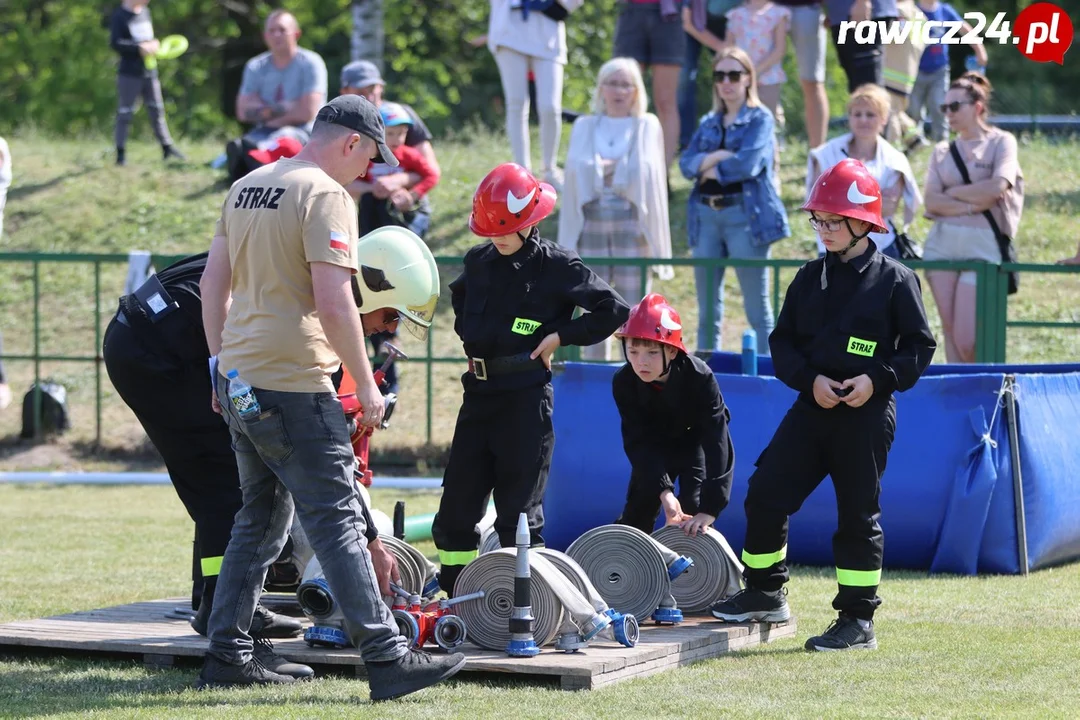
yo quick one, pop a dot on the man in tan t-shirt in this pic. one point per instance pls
(279, 309)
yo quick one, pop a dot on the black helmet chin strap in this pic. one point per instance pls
(533, 231)
(854, 238)
(663, 357)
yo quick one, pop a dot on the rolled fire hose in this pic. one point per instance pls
(412, 575)
(488, 618)
(631, 570)
(489, 540)
(581, 621)
(715, 574)
(624, 627)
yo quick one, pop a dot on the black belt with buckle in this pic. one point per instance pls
(717, 202)
(484, 368)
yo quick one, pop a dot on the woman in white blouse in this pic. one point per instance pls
(614, 202)
(868, 113)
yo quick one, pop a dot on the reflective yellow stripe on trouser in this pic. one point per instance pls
(457, 557)
(858, 578)
(764, 560)
(211, 566)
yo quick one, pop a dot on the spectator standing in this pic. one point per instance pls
(651, 32)
(961, 229)
(282, 88)
(734, 210)
(131, 34)
(705, 23)
(524, 36)
(5, 179)
(615, 200)
(760, 27)
(868, 112)
(809, 37)
(862, 63)
(932, 82)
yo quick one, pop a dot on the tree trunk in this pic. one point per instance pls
(367, 33)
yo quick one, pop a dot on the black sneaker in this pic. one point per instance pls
(274, 625)
(170, 152)
(844, 633)
(263, 651)
(218, 674)
(753, 606)
(415, 670)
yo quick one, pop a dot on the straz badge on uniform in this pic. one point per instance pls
(858, 346)
(523, 326)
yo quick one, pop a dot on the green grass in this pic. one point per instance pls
(950, 646)
(68, 197)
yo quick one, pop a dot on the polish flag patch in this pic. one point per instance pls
(339, 241)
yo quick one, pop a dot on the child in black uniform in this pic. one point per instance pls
(514, 306)
(674, 425)
(852, 331)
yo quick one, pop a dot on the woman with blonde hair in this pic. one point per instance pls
(734, 209)
(868, 112)
(614, 199)
(969, 216)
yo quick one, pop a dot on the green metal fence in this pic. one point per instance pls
(992, 321)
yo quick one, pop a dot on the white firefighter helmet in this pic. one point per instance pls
(397, 270)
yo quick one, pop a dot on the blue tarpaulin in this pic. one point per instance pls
(947, 494)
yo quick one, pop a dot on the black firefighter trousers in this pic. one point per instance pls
(849, 444)
(171, 399)
(502, 447)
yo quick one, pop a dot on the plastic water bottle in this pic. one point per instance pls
(749, 352)
(242, 396)
(972, 63)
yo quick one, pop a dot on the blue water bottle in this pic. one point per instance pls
(242, 396)
(972, 63)
(749, 352)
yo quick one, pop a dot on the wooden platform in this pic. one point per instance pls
(142, 630)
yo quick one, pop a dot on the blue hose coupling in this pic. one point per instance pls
(523, 648)
(667, 615)
(624, 627)
(678, 567)
(326, 636)
(432, 588)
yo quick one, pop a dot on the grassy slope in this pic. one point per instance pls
(69, 198)
(950, 646)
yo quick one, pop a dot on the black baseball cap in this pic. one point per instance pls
(356, 113)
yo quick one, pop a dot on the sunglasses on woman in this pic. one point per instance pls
(732, 76)
(953, 106)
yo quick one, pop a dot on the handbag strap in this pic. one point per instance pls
(1002, 241)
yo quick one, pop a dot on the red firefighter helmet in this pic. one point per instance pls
(848, 189)
(509, 199)
(654, 319)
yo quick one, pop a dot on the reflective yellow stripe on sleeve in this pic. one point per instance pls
(760, 562)
(457, 557)
(858, 578)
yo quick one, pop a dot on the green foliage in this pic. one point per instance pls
(57, 70)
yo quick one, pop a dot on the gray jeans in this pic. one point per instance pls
(929, 90)
(3, 202)
(297, 453)
(128, 90)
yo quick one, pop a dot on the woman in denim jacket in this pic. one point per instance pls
(734, 210)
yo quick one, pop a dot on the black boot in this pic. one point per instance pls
(752, 605)
(845, 633)
(415, 670)
(267, 624)
(263, 651)
(201, 621)
(170, 151)
(120, 159)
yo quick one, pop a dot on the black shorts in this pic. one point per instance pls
(643, 34)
